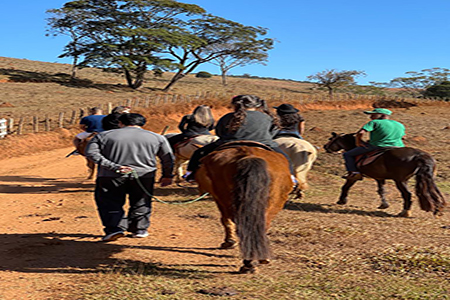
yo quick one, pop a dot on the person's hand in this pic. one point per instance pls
(165, 181)
(125, 170)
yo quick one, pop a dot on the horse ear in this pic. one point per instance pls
(334, 134)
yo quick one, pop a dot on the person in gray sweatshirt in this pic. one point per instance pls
(126, 159)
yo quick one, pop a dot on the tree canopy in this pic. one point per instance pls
(134, 34)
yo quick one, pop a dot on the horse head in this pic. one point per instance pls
(340, 141)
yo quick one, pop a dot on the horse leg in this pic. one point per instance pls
(91, 167)
(230, 233)
(406, 195)
(344, 191)
(248, 267)
(178, 169)
(382, 192)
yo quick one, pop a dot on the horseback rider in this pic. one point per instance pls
(111, 121)
(292, 123)
(251, 120)
(384, 132)
(200, 122)
(90, 124)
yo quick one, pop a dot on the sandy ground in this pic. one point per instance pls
(50, 230)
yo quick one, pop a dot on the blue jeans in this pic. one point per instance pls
(350, 155)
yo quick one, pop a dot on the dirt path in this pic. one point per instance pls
(49, 229)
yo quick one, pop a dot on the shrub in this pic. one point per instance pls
(203, 74)
(441, 90)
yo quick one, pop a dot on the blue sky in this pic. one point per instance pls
(384, 38)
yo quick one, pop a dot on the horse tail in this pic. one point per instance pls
(251, 194)
(430, 198)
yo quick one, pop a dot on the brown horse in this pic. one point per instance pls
(250, 186)
(398, 164)
(81, 148)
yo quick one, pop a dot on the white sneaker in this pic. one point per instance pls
(113, 236)
(140, 234)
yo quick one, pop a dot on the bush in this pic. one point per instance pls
(441, 90)
(203, 74)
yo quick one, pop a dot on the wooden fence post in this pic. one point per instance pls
(11, 125)
(20, 126)
(61, 120)
(73, 117)
(35, 124)
(47, 123)
(129, 102)
(109, 107)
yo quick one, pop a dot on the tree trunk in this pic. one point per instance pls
(330, 91)
(74, 68)
(224, 78)
(174, 79)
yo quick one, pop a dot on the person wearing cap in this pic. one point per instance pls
(384, 132)
(291, 122)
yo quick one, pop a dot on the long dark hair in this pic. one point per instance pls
(287, 120)
(243, 102)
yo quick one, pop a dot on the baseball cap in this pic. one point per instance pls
(379, 111)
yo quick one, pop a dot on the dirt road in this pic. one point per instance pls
(50, 229)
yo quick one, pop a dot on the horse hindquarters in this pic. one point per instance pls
(430, 198)
(251, 195)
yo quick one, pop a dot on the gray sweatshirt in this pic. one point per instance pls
(133, 147)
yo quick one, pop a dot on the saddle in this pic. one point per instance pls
(369, 157)
(184, 142)
(235, 144)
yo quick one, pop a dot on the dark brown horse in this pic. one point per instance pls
(398, 164)
(250, 186)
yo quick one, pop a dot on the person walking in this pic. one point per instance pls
(89, 124)
(126, 159)
(384, 132)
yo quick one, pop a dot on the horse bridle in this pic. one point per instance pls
(332, 141)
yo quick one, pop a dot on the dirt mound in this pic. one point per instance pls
(6, 104)
(393, 104)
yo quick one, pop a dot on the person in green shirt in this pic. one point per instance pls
(384, 132)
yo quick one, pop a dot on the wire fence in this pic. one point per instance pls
(41, 123)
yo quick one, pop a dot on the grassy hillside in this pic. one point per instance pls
(28, 87)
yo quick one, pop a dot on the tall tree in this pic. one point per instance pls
(332, 79)
(253, 51)
(68, 21)
(213, 38)
(127, 34)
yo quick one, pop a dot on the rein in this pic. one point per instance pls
(135, 175)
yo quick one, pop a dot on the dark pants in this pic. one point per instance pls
(110, 196)
(194, 162)
(350, 155)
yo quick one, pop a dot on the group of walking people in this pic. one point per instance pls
(127, 157)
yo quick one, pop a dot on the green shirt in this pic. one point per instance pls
(385, 133)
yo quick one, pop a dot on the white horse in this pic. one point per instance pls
(302, 155)
(185, 149)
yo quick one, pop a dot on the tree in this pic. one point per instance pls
(210, 38)
(417, 83)
(252, 51)
(332, 79)
(125, 34)
(68, 21)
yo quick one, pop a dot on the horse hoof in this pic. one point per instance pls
(264, 262)
(404, 214)
(341, 202)
(228, 245)
(383, 206)
(247, 270)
